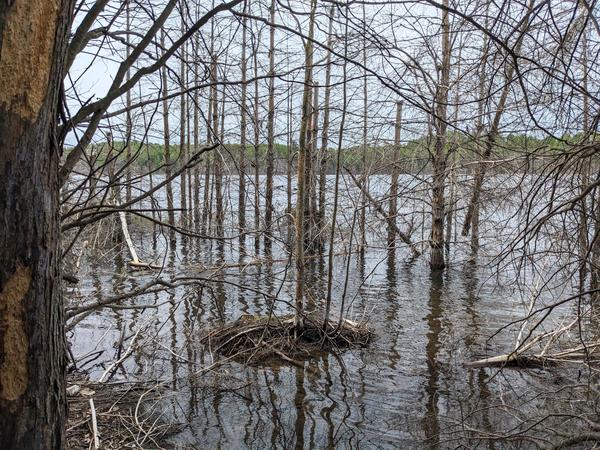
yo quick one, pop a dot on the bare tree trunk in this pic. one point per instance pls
(206, 203)
(363, 203)
(290, 156)
(219, 167)
(472, 215)
(453, 150)
(314, 233)
(308, 172)
(393, 212)
(323, 157)
(439, 152)
(196, 106)
(189, 108)
(128, 121)
(270, 131)
(336, 186)
(167, 135)
(243, 131)
(256, 149)
(215, 133)
(595, 249)
(210, 135)
(33, 37)
(302, 152)
(585, 173)
(182, 123)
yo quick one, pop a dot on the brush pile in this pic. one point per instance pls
(116, 415)
(252, 339)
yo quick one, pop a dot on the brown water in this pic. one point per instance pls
(407, 389)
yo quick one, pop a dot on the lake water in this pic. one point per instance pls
(407, 389)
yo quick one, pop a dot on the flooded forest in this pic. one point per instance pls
(306, 224)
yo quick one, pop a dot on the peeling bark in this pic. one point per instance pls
(33, 38)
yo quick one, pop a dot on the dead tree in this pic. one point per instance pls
(182, 124)
(393, 207)
(324, 153)
(302, 155)
(243, 131)
(167, 135)
(472, 216)
(438, 157)
(270, 130)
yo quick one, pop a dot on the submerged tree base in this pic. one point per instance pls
(255, 339)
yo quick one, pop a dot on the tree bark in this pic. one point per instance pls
(33, 37)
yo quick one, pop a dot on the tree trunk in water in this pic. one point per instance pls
(336, 186)
(290, 156)
(219, 169)
(196, 106)
(256, 150)
(393, 212)
(188, 150)
(243, 130)
(450, 216)
(167, 135)
(33, 37)
(363, 203)
(270, 131)
(308, 169)
(314, 232)
(302, 151)
(206, 204)
(323, 157)
(439, 153)
(182, 135)
(215, 132)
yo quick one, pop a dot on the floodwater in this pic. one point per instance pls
(407, 389)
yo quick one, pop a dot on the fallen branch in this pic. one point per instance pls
(540, 359)
(94, 425)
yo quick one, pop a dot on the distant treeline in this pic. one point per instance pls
(379, 158)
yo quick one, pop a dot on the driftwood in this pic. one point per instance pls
(519, 359)
(508, 360)
(135, 261)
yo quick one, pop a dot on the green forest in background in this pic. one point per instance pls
(378, 157)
